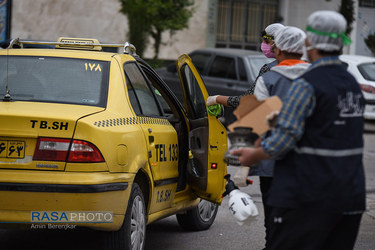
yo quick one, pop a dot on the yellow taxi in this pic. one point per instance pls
(97, 139)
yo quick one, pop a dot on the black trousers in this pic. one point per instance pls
(300, 229)
(265, 186)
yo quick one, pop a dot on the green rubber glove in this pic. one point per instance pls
(214, 110)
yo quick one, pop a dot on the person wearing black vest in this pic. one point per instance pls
(318, 190)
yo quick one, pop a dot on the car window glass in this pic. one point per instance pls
(223, 67)
(54, 79)
(154, 84)
(196, 99)
(256, 63)
(133, 100)
(368, 71)
(162, 101)
(200, 61)
(242, 70)
(142, 90)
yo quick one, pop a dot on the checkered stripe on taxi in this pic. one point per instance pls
(130, 121)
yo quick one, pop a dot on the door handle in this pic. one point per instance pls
(151, 140)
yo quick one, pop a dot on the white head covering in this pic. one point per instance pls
(326, 31)
(290, 39)
(272, 29)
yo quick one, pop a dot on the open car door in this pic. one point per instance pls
(207, 136)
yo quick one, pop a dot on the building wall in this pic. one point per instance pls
(186, 40)
(295, 12)
(50, 19)
(101, 19)
(365, 26)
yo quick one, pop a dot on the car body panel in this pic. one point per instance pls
(20, 122)
(133, 146)
(206, 180)
(162, 156)
(17, 203)
(353, 63)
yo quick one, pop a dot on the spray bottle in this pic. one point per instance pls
(240, 204)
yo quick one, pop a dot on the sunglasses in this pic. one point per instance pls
(268, 37)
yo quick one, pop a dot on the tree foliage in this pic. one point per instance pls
(138, 25)
(172, 15)
(153, 17)
(370, 42)
(346, 8)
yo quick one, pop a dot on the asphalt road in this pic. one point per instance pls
(223, 234)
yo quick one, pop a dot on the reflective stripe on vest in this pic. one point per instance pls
(329, 152)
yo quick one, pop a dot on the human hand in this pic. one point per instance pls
(246, 156)
(211, 100)
(250, 156)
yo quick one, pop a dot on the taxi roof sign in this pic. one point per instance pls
(74, 43)
(78, 43)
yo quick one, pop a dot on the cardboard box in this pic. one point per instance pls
(252, 113)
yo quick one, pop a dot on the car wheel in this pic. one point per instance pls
(199, 218)
(132, 234)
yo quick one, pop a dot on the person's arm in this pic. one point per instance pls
(234, 101)
(250, 156)
(223, 100)
(217, 99)
(228, 101)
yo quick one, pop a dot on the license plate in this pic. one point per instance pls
(12, 149)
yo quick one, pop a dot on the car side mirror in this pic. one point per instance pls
(172, 68)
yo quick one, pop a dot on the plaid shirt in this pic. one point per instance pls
(299, 105)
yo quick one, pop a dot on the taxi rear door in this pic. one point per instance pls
(207, 136)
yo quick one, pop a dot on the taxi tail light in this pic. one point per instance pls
(83, 151)
(51, 149)
(55, 149)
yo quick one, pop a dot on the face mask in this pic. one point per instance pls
(266, 49)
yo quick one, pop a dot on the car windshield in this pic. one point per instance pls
(368, 71)
(257, 62)
(54, 79)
